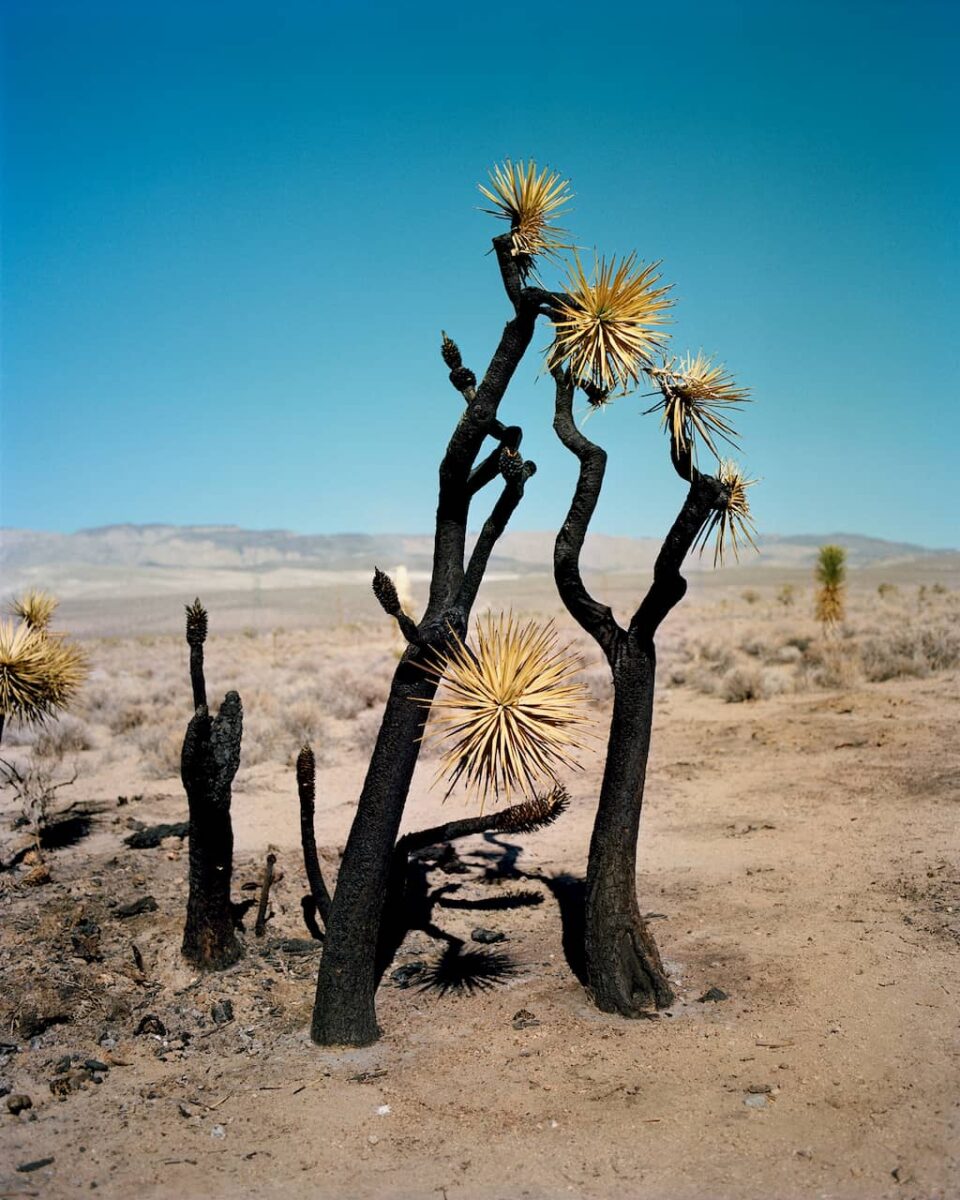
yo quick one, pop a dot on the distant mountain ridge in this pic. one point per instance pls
(148, 558)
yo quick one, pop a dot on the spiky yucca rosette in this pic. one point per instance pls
(696, 394)
(733, 523)
(35, 608)
(39, 673)
(529, 199)
(608, 326)
(510, 712)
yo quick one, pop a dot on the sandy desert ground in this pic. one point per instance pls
(799, 852)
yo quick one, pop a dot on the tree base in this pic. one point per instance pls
(625, 974)
(211, 949)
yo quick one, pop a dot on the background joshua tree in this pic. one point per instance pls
(40, 671)
(209, 762)
(831, 573)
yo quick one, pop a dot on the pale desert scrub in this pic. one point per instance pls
(297, 687)
(751, 650)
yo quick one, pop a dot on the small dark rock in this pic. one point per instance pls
(151, 1023)
(94, 1064)
(151, 837)
(5, 1088)
(27, 1167)
(300, 946)
(18, 1104)
(63, 1064)
(222, 1012)
(524, 1019)
(487, 936)
(145, 904)
(759, 1089)
(408, 974)
(714, 995)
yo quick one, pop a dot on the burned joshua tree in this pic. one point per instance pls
(208, 764)
(344, 1010)
(605, 331)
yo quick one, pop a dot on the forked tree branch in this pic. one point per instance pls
(668, 588)
(596, 618)
(516, 472)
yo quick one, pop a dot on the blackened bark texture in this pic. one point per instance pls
(208, 764)
(344, 1013)
(624, 971)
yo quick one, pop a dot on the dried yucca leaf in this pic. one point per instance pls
(733, 523)
(35, 607)
(607, 326)
(529, 199)
(510, 712)
(696, 392)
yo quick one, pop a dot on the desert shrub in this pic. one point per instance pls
(68, 735)
(743, 683)
(787, 595)
(718, 654)
(756, 647)
(885, 590)
(750, 595)
(365, 731)
(600, 683)
(159, 749)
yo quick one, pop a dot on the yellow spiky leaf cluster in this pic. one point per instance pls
(696, 396)
(607, 325)
(39, 672)
(35, 608)
(733, 522)
(510, 711)
(529, 199)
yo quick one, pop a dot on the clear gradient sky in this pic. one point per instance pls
(232, 233)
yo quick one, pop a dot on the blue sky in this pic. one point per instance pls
(233, 232)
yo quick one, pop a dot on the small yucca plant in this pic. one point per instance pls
(733, 523)
(511, 711)
(529, 199)
(608, 326)
(39, 673)
(35, 608)
(831, 573)
(696, 395)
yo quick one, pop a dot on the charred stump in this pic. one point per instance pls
(209, 762)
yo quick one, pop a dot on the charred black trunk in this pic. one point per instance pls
(209, 762)
(345, 1011)
(623, 967)
(624, 971)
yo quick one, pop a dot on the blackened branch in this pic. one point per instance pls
(386, 593)
(485, 472)
(477, 422)
(597, 619)
(669, 586)
(515, 472)
(306, 787)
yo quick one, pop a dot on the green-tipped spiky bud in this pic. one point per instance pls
(450, 352)
(386, 592)
(196, 623)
